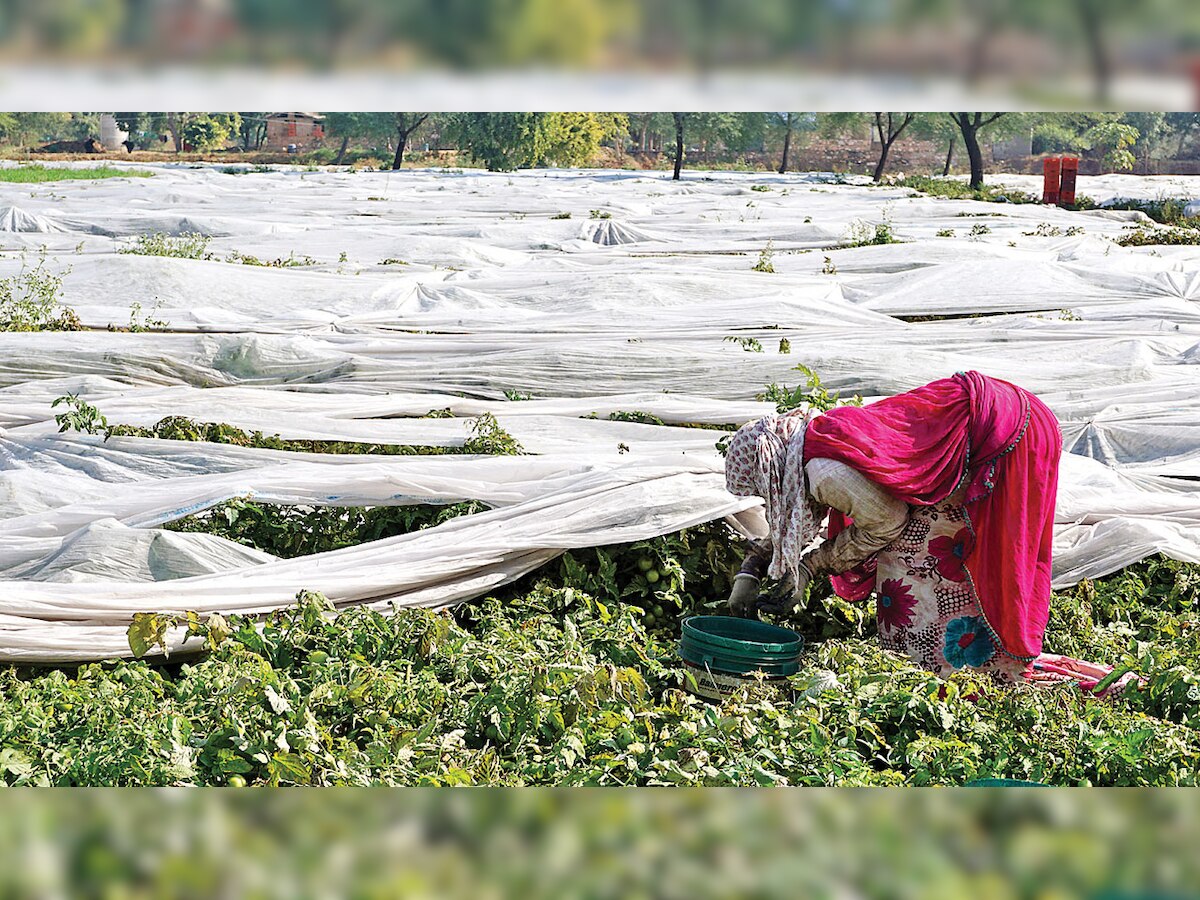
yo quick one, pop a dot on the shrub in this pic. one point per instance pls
(864, 234)
(29, 301)
(764, 263)
(955, 189)
(189, 245)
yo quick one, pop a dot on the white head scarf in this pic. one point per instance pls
(766, 459)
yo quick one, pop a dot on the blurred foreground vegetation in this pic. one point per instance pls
(943, 845)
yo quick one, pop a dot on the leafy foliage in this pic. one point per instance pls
(1154, 237)
(139, 322)
(191, 245)
(209, 131)
(486, 436)
(749, 344)
(79, 415)
(1113, 141)
(291, 531)
(764, 263)
(561, 681)
(507, 141)
(185, 246)
(812, 394)
(29, 301)
(281, 262)
(1165, 211)
(955, 189)
(864, 234)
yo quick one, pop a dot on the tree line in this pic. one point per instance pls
(507, 141)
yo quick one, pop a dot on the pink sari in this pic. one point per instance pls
(995, 440)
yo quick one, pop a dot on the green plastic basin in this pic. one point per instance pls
(739, 646)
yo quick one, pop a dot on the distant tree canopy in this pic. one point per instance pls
(210, 131)
(32, 129)
(506, 141)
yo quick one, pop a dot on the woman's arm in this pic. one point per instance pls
(879, 518)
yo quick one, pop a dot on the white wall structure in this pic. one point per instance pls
(111, 136)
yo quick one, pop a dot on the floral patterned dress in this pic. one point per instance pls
(926, 606)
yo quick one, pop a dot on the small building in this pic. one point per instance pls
(303, 129)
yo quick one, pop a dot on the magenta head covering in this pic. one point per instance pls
(766, 459)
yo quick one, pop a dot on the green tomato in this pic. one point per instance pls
(493, 733)
(645, 564)
(658, 611)
(652, 576)
(236, 781)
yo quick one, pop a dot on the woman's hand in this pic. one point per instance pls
(744, 597)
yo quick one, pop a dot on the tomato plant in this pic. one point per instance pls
(563, 678)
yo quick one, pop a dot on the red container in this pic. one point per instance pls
(1051, 170)
(1066, 190)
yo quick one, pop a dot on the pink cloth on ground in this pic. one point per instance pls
(1050, 668)
(1004, 445)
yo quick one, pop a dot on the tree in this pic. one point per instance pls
(935, 127)
(348, 126)
(252, 129)
(680, 120)
(706, 126)
(785, 127)
(889, 127)
(970, 126)
(1151, 127)
(788, 128)
(36, 128)
(375, 128)
(574, 138)
(406, 124)
(836, 124)
(1182, 125)
(1113, 140)
(209, 131)
(501, 141)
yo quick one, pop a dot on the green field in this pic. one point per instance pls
(35, 174)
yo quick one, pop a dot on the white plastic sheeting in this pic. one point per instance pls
(429, 290)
